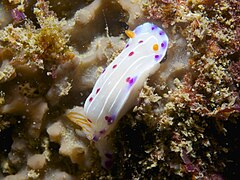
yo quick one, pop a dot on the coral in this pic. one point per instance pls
(134, 10)
(33, 110)
(37, 161)
(86, 15)
(100, 12)
(70, 144)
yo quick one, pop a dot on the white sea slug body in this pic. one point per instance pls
(118, 87)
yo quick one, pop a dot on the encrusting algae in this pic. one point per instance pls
(196, 134)
(185, 123)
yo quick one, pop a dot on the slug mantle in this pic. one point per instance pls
(117, 88)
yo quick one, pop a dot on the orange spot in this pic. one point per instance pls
(130, 33)
(155, 47)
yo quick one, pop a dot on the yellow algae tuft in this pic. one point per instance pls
(30, 45)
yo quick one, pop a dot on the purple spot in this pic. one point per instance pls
(131, 81)
(158, 57)
(164, 44)
(17, 15)
(114, 66)
(95, 138)
(110, 119)
(140, 41)
(154, 27)
(127, 45)
(109, 155)
(108, 164)
(90, 99)
(103, 70)
(161, 33)
(102, 131)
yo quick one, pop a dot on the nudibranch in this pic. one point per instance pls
(118, 87)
